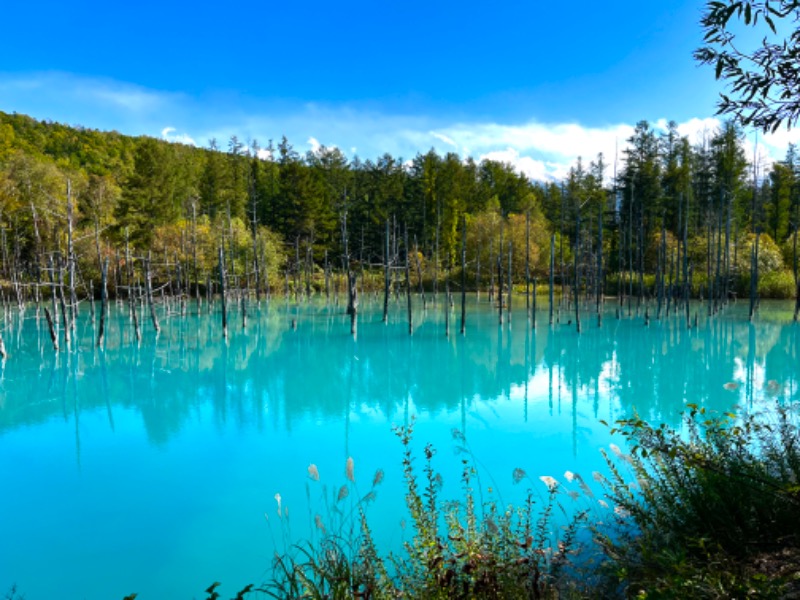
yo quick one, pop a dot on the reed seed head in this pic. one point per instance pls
(343, 493)
(318, 522)
(378, 477)
(622, 512)
(550, 482)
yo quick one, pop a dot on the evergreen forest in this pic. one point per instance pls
(676, 219)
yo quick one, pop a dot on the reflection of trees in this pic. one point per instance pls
(273, 375)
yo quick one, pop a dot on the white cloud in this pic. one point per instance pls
(775, 145)
(314, 144)
(131, 99)
(91, 102)
(542, 151)
(532, 168)
(444, 138)
(170, 134)
(698, 129)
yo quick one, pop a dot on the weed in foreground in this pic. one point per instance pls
(469, 548)
(715, 510)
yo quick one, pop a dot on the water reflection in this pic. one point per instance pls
(272, 374)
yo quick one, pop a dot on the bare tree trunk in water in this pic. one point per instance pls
(386, 275)
(148, 282)
(408, 284)
(552, 268)
(500, 287)
(528, 262)
(222, 289)
(599, 296)
(510, 283)
(577, 273)
(103, 303)
(463, 275)
(796, 278)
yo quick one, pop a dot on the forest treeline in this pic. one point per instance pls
(677, 219)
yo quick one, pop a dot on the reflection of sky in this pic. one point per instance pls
(155, 465)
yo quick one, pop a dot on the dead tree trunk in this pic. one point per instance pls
(196, 273)
(794, 269)
(131, 296)
(463, 275)
(296, 277)
(103, 303)
(419, 274)
(552, 268)
(222, 288)
(500, 287)
(256, 264)
(510, 281)
(527, 262)
(478, 272)
(386, 273)
(64, 312)
(577, 273)
(754, 276)
(51, 328)
(352, 300)
(408, 285)
(307, 267)
(53, 321)
(436, 257)
(244, 296)
(600, 295)
(37, 253)
(148, 283)
(446, 302)
(327, 279)
(73, 299)
(660, 268)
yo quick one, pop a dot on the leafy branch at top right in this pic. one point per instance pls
(763, 79)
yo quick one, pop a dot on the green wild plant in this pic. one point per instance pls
(713, 508)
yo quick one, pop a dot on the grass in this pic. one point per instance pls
(458, 549)
(716, 511)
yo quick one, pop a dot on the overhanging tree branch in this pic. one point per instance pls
(764, 82)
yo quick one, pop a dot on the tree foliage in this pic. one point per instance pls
(764, 79)
(170, 197)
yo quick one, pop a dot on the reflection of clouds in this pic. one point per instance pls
(282, 377)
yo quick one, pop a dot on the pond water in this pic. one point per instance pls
(153, 467)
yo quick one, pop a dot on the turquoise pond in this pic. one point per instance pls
(153, 467)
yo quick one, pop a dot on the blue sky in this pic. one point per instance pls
(533, 83)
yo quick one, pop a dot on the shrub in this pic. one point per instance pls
(777, 284)
(709, 504)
